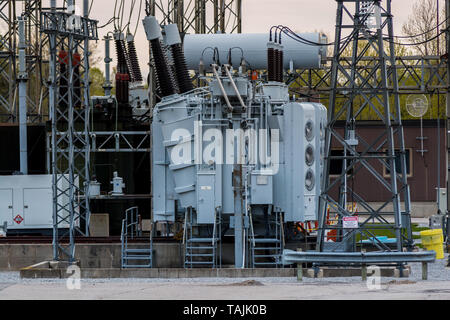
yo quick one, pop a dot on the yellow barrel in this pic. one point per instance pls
(434, 240)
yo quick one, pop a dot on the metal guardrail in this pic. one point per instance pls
(362, 258)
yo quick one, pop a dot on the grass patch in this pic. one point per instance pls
(386, 232)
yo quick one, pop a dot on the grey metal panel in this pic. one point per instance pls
(294, 155)
(174, 117)
(6, 206)
(162, 210)
(261, 188)
(228, 198)
(205, 197)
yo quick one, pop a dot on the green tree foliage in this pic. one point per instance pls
(97, 80)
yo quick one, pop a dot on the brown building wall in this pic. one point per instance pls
(423, 178)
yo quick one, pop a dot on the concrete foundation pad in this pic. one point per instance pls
(50, 270)
(47, 270)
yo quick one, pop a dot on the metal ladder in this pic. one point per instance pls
(267, 251)
(131, 229)
(202, 252)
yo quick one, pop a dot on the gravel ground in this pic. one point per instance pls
(436, 272)
(436, 287)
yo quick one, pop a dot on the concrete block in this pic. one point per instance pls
(140, 273)
(200, 273)
(168, 273)
(22, 250)
(310, 273)
(40, 273)
(146, 225)
(4, 250)
(44, 252)
(227, 273)
(4, 264)
(99, 226)
(17, 263)
(406, 273)
(92, 273)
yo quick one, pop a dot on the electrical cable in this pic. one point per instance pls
(421, 34)
(417, 43)
(138, 18)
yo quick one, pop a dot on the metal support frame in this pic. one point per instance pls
(191, 16)
(447, 136)
(416, 74)
(36, 92)
(70, 146)
(377, 85)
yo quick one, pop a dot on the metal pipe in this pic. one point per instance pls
(107, 85)
(233, 84)
(23, 79)
(86, 8)
(222, 89)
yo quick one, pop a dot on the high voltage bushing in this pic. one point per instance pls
(123, 72)
(173, 40)
(122, 65)
(280, 64)
(270, 62)
(134, 61)
(163, 72)
(276, 62)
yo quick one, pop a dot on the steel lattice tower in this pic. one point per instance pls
(199, 16)
(374, 82)
(37, 92)
(70, 141)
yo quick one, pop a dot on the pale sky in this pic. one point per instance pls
(258, 17)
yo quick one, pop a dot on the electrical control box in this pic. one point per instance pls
(26, 202)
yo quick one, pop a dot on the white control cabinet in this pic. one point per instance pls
(26, 202)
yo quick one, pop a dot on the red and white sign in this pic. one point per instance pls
(18, 219)
(350, 222)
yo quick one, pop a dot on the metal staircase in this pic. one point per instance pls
(200, 251)
(266, 251)
(135, 255)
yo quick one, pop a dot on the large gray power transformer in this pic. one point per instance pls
(235, 156)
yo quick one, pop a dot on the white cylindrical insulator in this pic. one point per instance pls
(254, 50)
(172, 34)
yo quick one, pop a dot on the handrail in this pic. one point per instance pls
(185, 226)
(282, 229)
(251, 227)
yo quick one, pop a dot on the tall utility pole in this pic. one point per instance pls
(447, 46)
(379, 160)
(69, 101)
(23, 79)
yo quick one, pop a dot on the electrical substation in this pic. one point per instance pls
(220, 149)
